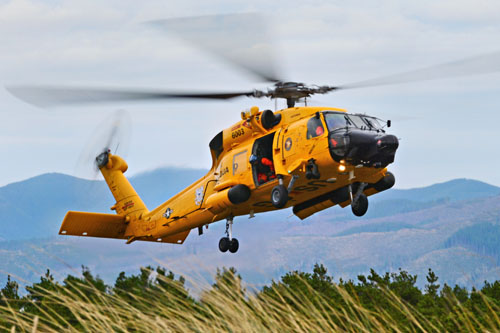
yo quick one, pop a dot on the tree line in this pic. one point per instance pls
(387, 301)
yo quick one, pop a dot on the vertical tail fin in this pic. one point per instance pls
(128, 201)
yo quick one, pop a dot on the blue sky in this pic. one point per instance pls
(448, 128)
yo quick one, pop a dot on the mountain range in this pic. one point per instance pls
(450, 227)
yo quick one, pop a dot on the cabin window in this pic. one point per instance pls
(314, 127)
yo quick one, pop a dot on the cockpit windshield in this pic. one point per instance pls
(357, 121)
(336, 120)
(373, 123)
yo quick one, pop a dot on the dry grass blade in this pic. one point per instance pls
(165, 306)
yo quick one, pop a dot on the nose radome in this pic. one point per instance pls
(388, 143)
(369, 148)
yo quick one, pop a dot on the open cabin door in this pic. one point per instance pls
(262, 160)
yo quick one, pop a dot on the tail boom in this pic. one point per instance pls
(128, 202)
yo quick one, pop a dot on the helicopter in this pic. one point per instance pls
(309, 158)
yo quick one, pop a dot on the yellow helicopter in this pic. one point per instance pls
(306, 157)
(302, 157)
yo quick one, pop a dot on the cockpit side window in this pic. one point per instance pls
(335, 120)
(314, 127)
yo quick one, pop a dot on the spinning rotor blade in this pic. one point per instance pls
(53, 96)
(241, 39)
(111, 135)
(482, 64)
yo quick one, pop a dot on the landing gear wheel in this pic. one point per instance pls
(224, 244)
(233, 245)
(279, 196)
(360, 206)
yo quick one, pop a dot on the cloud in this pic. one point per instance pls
(481, 12)
(325, 42)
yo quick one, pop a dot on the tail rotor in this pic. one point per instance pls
(110, 137)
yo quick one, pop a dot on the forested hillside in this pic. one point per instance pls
(483, 238)
(402, 229)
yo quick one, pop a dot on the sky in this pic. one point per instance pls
(448, 128)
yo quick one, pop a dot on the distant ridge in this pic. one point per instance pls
(397, 201)
(453, 190)
(436, 226)
(34, 208)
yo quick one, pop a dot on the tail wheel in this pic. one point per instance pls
(360, 206)
(224, 244)
(279, 196)
(233, 245)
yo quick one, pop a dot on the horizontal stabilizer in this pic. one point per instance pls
(108, 226)
(93, 225)
(177, 238)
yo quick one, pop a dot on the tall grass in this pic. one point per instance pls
(227, 307)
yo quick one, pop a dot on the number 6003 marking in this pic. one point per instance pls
(237, 133)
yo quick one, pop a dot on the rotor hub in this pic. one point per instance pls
(102, 159)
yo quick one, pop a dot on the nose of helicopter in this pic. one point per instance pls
(387, 146)
(388, 143)
(364, 147)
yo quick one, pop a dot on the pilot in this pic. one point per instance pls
(319, 130)
(314, 128)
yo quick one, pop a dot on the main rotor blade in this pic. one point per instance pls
(43, 96)
(482, 64)
(241, 39)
